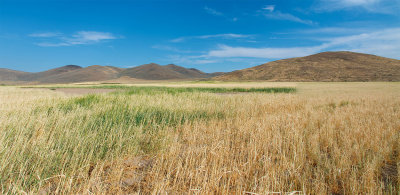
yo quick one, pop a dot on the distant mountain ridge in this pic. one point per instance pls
(326, 66)
(74, 73)
(154, 71)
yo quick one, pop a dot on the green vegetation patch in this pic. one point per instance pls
(73, 133)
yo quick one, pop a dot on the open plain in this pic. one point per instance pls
(187, 138)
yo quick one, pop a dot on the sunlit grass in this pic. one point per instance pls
(322, 138)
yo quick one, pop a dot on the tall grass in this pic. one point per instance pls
(64, 137)
(317, 141)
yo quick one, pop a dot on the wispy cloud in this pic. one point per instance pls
(383, 42)
(270, 8)
(191, 60)
(332, 30)
(377, 6)
(218, 13)
(270, 12)
(223, 36)
(213, 11)
(351, 3)
(225, 51)
(89, 36)
(46, 34)
(170, 48)
(78, 38)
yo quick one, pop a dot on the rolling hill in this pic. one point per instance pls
(73, 74)
(49, 73)
(326, 66)
(91, 73)
(154, 71)
(11, 75)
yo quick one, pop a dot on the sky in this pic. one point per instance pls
(210, 35)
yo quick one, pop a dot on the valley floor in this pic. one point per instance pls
(322, 138)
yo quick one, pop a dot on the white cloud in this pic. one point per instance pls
(223, 36)
(355, 2)
(270, 8)
(217, 13)
(87, 36)
(333, 30)
(375, 6)
(228, 51)
(178, 40)
(169, 48)
(78, 38)
(190, 60)
(47, 44)
(46, 34)
(213, 11)
(277, 15)
(271, 13)
(383, 42)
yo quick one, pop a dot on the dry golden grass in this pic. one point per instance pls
(328, 138)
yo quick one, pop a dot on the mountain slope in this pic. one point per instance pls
(91, 73)
(151, 71)
(73, 74)
(187, 72)
(157, 72)
(49, 73)
(326, 66)
(11, 75)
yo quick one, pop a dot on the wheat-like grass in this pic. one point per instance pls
(328, 138)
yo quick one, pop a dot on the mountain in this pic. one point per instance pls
(154, 71)
(91, 73)
(151, 71)
(49, 73)
(326, 66)
(188, 72)
(11, 75)
(73, 74)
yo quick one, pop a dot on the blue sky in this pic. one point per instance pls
(211, 35)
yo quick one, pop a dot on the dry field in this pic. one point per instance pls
(327, 138)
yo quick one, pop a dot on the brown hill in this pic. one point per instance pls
(187, 72)
(326, 66)
(65, 74)
(154, 71)
(73, 74)
(11, 75)
(91, 73)
(192, 72)
(49, 73)
(151, 71)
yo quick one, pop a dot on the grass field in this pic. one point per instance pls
(202, 138)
